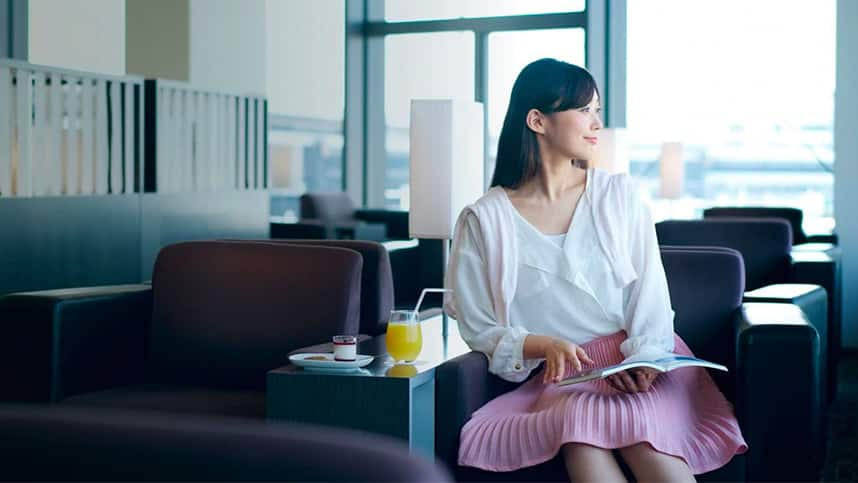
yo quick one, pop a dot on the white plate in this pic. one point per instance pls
(329, 364)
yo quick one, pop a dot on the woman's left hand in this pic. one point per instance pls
(639, 379)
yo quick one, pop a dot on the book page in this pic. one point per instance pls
(662, 364)
(675, 362)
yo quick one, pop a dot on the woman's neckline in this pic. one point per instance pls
(582, 197)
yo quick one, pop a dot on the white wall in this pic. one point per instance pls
(83, 35)
(228, 45)
(846, 161)
(306, 58)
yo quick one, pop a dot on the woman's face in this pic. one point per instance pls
(574, 133)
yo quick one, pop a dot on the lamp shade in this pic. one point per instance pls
(612, 152)
(672, 172)
(446, 164)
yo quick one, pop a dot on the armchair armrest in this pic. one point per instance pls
(462, 385)
(828, 248)
(815, 267)
(832, 238)
(823, 269)
(811, 299)
(778, 391)
(813, 302)
(812, 266)
(58, 343)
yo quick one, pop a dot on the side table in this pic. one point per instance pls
(395, 400)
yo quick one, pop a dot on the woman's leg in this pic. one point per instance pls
(649, 465)
(587, 463)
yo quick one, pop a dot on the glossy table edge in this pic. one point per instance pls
(436, 350)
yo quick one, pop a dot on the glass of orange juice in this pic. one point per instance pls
(404, 337)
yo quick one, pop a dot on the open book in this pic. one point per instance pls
(663, 364)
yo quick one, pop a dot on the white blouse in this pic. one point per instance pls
(574, 298)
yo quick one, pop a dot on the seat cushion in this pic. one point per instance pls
(175, 399)
(225, 313)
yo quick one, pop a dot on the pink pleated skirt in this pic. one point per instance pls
(683, 414)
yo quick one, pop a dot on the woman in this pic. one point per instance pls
(559, 264)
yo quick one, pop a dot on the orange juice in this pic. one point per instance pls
(404, 341)
(402, 370)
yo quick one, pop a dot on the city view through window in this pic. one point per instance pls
(748, 94)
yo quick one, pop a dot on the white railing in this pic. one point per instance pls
(65, 132)
(205, 140)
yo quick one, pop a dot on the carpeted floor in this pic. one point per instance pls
(841, 462)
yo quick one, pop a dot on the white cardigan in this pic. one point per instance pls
(626, 238)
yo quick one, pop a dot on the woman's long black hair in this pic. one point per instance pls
(548, 85)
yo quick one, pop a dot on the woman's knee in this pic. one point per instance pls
(643, 457)
(582, 449)
(589, 463)
(637, 450)
(645, 451)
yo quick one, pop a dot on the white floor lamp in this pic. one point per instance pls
(672, 172)
(446, 167)
(612, 153)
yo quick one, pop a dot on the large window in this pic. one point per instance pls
(305, 61)
(469, 49)
(747, 88)
(509, 52)
(419, 66)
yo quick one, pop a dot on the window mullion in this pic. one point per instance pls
(375, 123)
(480, 25)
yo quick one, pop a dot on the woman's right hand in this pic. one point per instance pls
(559, 354)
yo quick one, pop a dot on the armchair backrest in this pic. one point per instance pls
(706, 286)
(376, 281)
(765, 244)
(328, 207)
(224, 313)
(794, 216)
(42, 443)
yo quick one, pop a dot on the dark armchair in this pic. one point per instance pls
(794, 216)
(329, 215)
(774, 380)
(416, 264)
(774, 272)
(82, 444)
(200, 339)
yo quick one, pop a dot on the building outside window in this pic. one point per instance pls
(305, 60)
(747, 91)
(748, 94)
